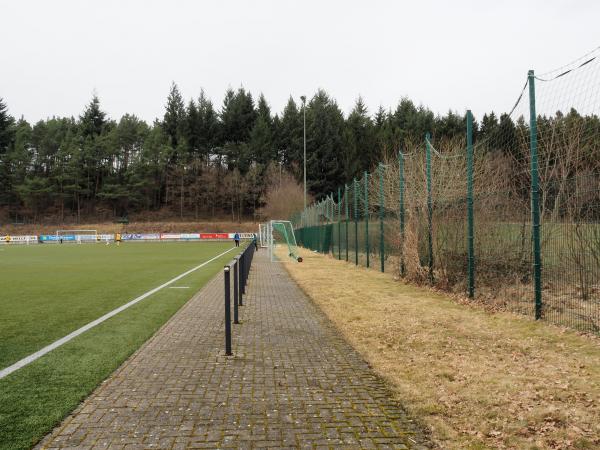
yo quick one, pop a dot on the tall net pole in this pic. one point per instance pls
(366, 203)
(339, 224)
(429, 208)
(381, 219)
(470, 225)
(401, 214)
(535, 199)
(355, 222)
(347, 218)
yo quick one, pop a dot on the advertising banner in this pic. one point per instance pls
(55, 238)
(170, 236)
(84, 237)
(19, 239)
(215, 236)
(242, 235)
(190, 236)
(140, 237)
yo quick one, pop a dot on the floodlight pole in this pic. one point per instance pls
(303, 98)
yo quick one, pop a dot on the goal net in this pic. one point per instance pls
(263, 239)
(280, 240)
(77, 236)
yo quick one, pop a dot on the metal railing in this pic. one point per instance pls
(240, 266)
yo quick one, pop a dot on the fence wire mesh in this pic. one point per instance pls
(534, 178)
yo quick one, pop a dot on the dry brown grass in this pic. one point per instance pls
(477, 379)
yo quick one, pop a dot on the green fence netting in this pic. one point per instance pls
(512, 220)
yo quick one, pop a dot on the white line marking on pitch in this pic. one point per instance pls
(179, 287)
(31, 358)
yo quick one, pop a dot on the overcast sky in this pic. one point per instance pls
(444, 54)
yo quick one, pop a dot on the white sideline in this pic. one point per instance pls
(31, 358)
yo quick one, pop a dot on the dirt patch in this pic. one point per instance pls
(478, 379)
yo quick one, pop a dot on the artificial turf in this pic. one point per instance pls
(48, 291)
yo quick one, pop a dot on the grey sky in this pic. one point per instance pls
(444, 54)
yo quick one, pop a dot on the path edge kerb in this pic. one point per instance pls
(422, 432)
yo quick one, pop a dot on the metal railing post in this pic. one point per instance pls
(235, 292)
(242, 264)
(236, 281)
(227, 312)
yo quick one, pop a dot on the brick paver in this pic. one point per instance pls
(293, 382)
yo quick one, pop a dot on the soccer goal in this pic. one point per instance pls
(280, 240)
(263, 239)
(77, 236)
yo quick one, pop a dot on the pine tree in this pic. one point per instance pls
(290, 139)
(237, 116)
(6, 127)
(93, 119)
(325, 127)
(449, 125)
(192, 127)
(489, 128)
(209, 126)
(360, 147)
(261, 145)
(174, 118)
(6, 138)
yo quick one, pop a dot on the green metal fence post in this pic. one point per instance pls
(381, 218)
(332, 221)
(339, 223)
(366, 204)
(318, 227)
(401, 170)
(355, 222)
(429, 208)
(330, 204)
(346, 196)
(535, 199)
(470, 225)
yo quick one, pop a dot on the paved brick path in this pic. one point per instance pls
(293, 382)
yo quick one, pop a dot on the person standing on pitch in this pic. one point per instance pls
(236, 239)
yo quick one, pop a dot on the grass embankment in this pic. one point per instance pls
(476, 379)
(134, 227)
(49, 291)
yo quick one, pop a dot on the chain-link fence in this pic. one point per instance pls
(512, 219)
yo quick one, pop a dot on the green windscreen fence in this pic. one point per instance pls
(512, 220)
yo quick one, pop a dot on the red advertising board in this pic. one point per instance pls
(214, 236)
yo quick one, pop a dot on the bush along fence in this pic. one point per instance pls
(512, 220)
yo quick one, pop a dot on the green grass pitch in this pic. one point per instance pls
(48, 291)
